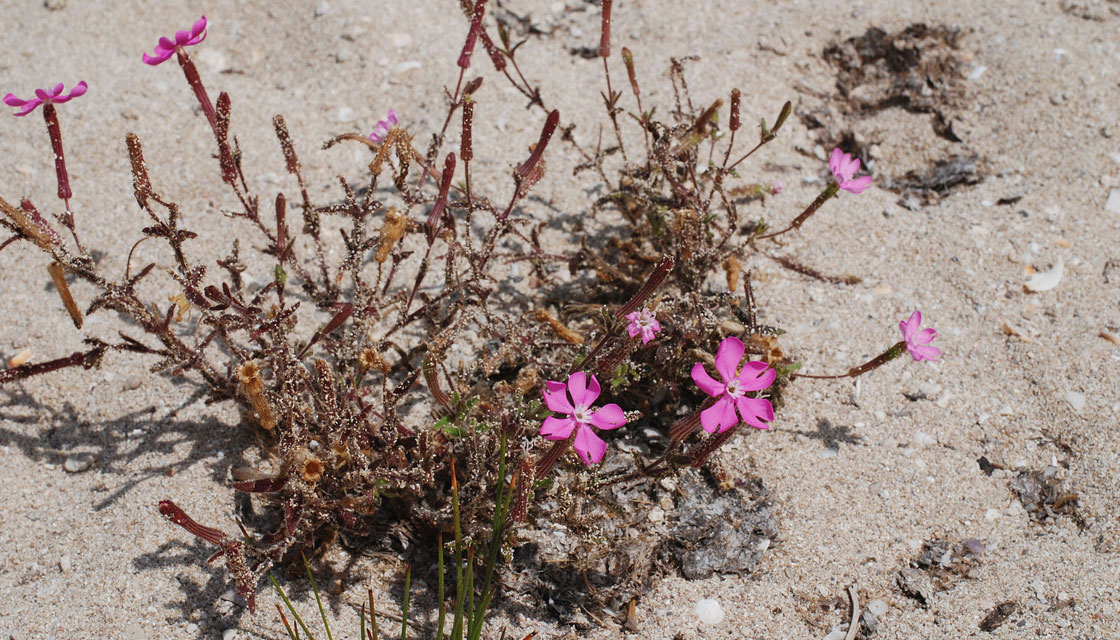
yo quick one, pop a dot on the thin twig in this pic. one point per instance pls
(853, 626)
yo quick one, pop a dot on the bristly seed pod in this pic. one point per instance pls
(734, 126)
(391, 231)
(441, 201)
(250, 376)
(496, 56)
(628, 60)
(472, 35)
(527, 167)
(652, 283)
(605, 36)
(465, 149)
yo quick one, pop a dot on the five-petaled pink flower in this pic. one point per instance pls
(383, 126)
(643, 322)
(167, 47)
(580, 415)
(49, 96)
(844, 169)
(917, 342)
(755, 376)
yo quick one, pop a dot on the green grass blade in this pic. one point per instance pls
(288, 603)
(440, 594)
(404, 607)
(318, 600)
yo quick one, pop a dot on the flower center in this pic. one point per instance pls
(733, 389)
(582, 414)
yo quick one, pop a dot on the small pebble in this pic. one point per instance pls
(828, 452)
(922, 438)
(992, 514)
(709, 611)
(878, 607)
(836, 634)
(402, 68)
(74, 464)
(974, 546)
(322, 8)
(656, 514)
(763, 545)
(1112, 205)
(64, 564)
(133, 382)
(192, 628)
(1075, 400)
(229, 634)
(400, 40)
(345, 114)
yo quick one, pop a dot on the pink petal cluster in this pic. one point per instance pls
(776, 187)
(47, 96)
(579, 415)
(167, 47)
(643, 322)
(918, 339)
(844, 169)
(383, 126)
(754, 376)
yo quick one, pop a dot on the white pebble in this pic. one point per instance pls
(763, 545)
(400, 40)
(345, 114)
(402, 68)
(76, 465)
(878, 607)
(992, 514)
(828, 453)
(1075, 400)
(922, 438)
(229, 634)
(322, 8)
(64, 564)
(836, 634)
(1112, 205)
(656, 514)
(709, 611)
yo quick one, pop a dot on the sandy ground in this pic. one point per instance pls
(85, 554)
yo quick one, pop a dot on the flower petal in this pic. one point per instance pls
(719, 417)
(834, 161)
(705, 382)
(924, 352)
(12, 101)
(198, 28)
(728, 355)
(926, 336)
(859, 185)
(589, 446)
(910, 327)
(557, 428)
(609, 416)
(756, 411)
(729, 419)
(160, 57)
(556, 397)
(648, 334)
(583, 393)
(754, 378)
(393, 117)
(78, 90)
(633, 329)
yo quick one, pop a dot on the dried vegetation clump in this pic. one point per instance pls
(394, 373)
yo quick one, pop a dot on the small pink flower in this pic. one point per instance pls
(166, 47)
(47, 96)
(844, 168)
(643, 322)
(917, 342)
(776, 187)
(755, 376)
(383, 126)
(580, 415)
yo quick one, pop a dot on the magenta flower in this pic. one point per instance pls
(44, 96)
(917, 342)
(844, 169)
(643, 322)
(580, 416)
(167, 47)
(383, 126)
(755, 376)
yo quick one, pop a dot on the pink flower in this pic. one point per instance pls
(383, 126)
(643, 322)
(47, 96)
(580, 415)
(844, 168)
(776, 187)
(917, 342)
(167, 47)
(755, 376)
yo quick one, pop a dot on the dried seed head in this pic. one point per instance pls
(312, 469)
(733, 268)
(370, 359)
(391, 231)
(250, 376)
